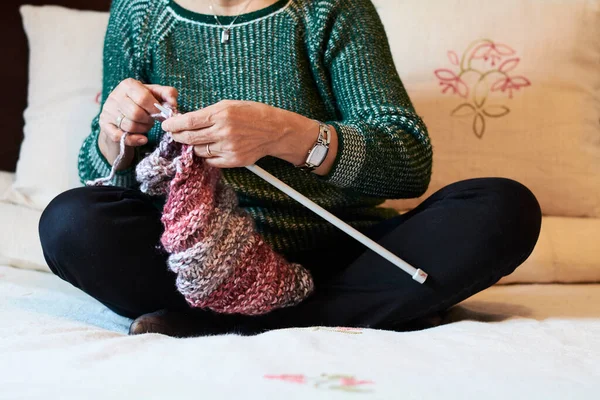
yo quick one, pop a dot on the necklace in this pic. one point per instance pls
(226, 33)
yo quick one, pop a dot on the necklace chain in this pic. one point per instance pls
(226, 33)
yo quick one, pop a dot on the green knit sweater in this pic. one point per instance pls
(325, 59)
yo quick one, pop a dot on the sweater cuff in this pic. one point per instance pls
(350, 158)
(102, 168)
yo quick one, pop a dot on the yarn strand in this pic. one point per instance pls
(108, 179)
(166, 112)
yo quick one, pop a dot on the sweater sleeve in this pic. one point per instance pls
(119, 63)
(384, 148)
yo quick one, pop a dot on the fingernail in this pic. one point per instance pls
(141, 141)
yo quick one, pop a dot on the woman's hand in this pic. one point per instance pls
(238, 132)
(241, 132)
(135, 101)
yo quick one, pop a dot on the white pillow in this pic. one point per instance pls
(19, 243)
(19, 239)
(6, 181)
(550, 138)
(65, 77)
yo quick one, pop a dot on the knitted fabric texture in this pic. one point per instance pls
(324, 59)
(221, 262)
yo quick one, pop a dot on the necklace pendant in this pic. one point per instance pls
(225, 35)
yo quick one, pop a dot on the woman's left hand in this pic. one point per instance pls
(238, 132)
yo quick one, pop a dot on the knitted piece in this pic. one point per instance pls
(221, 262)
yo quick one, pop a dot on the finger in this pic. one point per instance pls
(132, 140)
(141, 95)
(219, 162)
(202, 151)
(134, 112)
(196, 137)
(164, 94)
(127, 125)
(190, 121)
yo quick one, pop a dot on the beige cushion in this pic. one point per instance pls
(547, 135)
(567, 251)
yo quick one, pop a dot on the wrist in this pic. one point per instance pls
(110, 150)
(297, 135)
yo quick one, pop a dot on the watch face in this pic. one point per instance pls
(317, 155)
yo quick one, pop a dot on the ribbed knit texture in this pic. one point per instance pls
(325, 59)
(221, 262)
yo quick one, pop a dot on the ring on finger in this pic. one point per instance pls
(208, 152)
(120, 119)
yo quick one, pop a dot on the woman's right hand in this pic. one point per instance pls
(135, 101)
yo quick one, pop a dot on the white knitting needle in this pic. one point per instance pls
(417, 274)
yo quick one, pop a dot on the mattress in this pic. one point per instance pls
(537, 341)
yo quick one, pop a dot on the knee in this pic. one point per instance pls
(63, 220)
(517, 216)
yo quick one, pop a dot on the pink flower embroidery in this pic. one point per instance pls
(288, 378)
(449, 80)
(509, 65)
(510, 84)
(453, 57)
(348, 329)
(491, 51)
(339, 329)
(350, 381)
(470, 72)
(344, 383)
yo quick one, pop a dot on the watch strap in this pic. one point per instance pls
(323, 139)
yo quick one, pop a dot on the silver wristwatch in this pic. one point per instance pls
(318, 153)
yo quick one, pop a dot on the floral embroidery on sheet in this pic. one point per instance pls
(346, 383)
(485, 67)
(339, 329)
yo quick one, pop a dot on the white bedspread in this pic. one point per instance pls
(524, 341)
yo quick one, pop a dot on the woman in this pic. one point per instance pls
(253, 79)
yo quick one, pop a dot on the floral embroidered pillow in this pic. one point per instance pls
(504, 92)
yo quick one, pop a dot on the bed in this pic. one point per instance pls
(536, 341)
(536, 335)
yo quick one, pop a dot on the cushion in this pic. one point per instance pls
(505, 91)
(65, 78)
(19, 240)
(15, 72)
(566, 252)
(6, 181)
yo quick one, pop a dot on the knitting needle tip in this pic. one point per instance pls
(165, 111)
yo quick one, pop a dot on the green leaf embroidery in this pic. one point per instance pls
(463, 110)
(479, 125)
(495, 111)
(480, 93)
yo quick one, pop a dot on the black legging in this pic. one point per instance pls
(467, 235)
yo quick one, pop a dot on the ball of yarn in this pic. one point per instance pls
(222, 263)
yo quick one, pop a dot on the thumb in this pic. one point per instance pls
(164, 94)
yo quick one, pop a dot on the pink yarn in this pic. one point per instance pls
(222, 262)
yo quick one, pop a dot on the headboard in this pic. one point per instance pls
(14, 72)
